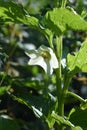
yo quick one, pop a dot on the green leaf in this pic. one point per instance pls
(7, 123)
(33, 84)
(83, 105)
(77, 128)
(78, 62)
(79, 117)
(41, 106)
(61, 19)
(11, 12)
(83, 14)
(4, 89)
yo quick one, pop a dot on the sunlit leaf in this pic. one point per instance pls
(78, 61)
(61, 19)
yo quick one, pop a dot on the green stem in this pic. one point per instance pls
(51, 41)
(66, 83)
(59, 50)
(59, 56)
(76, 96)
(59, 79)
(63, 3)
(62, 92)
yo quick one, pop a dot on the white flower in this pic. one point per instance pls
(44, 57)
(63, 62)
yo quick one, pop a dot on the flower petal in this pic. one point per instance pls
(43, 48)
(42, 63)
(38, 61)
(53, 61)
(32, 53)
(35, 61)
(63, 62)
(48, 68)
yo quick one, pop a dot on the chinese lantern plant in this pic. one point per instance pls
(53, 25)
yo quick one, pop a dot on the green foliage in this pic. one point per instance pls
(34, 7)
(34, 84)
(4, 89)
(77, 128)
(83, 105)
(61, 120)
(14, 13)
(41, 106)
(65, 122)
(30, 88)
(78, 62)
(78, 117)
(60, 20)
(6, 123)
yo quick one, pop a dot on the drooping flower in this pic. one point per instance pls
(44, 57)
